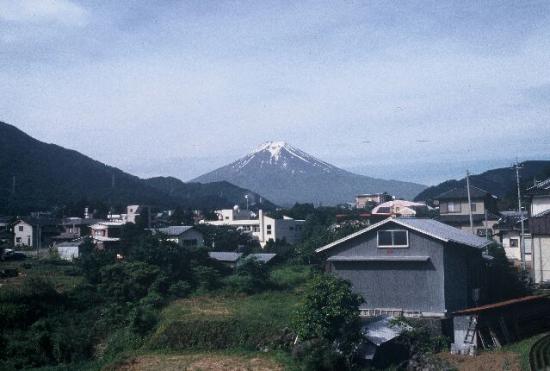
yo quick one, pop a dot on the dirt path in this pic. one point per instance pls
(485, 361)
(198, 362)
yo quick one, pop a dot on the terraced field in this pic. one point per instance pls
(539, 356)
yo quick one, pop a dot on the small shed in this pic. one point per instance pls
(379, 347)
(68, 250)
(228, 258)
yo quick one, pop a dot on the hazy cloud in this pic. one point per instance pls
(141, 84)
(63, 12)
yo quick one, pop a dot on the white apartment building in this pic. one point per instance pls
(263, 228)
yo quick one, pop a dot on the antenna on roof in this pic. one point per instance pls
(517, 166)
(469, 201)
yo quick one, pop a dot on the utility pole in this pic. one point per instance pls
(518, 166)
(469, 201)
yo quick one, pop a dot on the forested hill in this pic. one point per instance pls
(500, 182)
(47, 175)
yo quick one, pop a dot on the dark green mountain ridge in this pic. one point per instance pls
(48, 176)
(500, 182)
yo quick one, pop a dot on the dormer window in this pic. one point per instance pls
(393, 238)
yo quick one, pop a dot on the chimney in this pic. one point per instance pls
(86, 213)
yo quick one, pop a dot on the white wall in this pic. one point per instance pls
(514, 253)
(541, 259)
(23, 237)
(67, 252)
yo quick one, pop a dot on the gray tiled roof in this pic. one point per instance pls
(225, 256)
(262, 257)
(542, 185)
(175, 230)
(462, 193)
(430, 227)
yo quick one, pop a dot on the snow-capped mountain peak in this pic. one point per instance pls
(274, 148)
(286, 175)
(284, 156)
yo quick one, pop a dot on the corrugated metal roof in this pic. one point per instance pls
(225, 256)
(501, 304)
(382, 329)
(430, 227)
(174, 230)
(339, 258)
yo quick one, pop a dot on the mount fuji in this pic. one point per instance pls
(286, 175)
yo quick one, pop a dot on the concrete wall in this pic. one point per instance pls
(541, 258)
(68, 252)
(411, 286)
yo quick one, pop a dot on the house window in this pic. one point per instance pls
(18, 240)
(192, 242)
(473, 207)
(514, 242)
(21, 228)
(269, 229)
(453, 207)
(393, 238)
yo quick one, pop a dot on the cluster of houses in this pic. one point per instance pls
(40, 230)
(411, 259)
(407, 264)
(475, 211)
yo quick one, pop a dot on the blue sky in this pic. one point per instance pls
(417, 90)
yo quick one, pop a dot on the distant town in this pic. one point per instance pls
(274, 185)
(467, 273)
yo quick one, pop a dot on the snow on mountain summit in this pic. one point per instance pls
(282, 155)
(286, 175)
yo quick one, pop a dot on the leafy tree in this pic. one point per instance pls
(504, 280)
(251, 276)
(226, 238)
(182, 216)
(127, 281)
(330, 313)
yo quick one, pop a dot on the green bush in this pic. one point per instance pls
(180, 289)
(214, 334)
(251, 276)
(143, 319)
(290, 276)
(330, 314)
(128, 281)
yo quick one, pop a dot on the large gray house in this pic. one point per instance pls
(410, 266)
